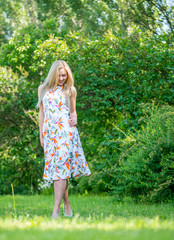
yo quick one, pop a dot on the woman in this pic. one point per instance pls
(63, 152)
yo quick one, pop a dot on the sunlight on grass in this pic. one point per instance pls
(77, 222)
(95, 218)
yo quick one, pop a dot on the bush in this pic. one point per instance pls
(146, 164)
(21, 159)
(114, 75)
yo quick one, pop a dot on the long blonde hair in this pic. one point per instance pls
(52, 79)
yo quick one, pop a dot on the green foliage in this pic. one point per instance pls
(146, 164)
(92, 17)
(114, 75)
(19, 151)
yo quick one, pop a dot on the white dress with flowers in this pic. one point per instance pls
(63, 152)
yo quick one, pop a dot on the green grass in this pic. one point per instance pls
(95, 217)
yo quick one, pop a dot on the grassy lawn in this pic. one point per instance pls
(95, 217)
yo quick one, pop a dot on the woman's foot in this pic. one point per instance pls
(55, 215)
(56, 212)
(67, 208)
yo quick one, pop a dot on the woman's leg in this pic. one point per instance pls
(59, 191)
(65, 196)
(66, 200)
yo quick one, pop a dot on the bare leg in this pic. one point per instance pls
(66, 200)
(59, 191)
(65, 196)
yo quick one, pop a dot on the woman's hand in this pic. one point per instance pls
(73, 114)
(41, 141)
(73, 119)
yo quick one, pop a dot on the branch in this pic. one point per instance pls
(164, 11)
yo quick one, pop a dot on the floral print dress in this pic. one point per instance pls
(63, 152)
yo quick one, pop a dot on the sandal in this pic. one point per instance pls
(66, 214)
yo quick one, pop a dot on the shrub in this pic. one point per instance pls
(146, 164)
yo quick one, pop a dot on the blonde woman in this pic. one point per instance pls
(59, 137)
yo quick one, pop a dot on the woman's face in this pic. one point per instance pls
(62, 76)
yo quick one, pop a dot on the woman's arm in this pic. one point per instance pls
(73, 114)
(41, 118)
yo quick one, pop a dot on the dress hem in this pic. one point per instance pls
(51, 179)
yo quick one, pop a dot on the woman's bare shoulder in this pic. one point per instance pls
(73, 90)
(40, 87)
